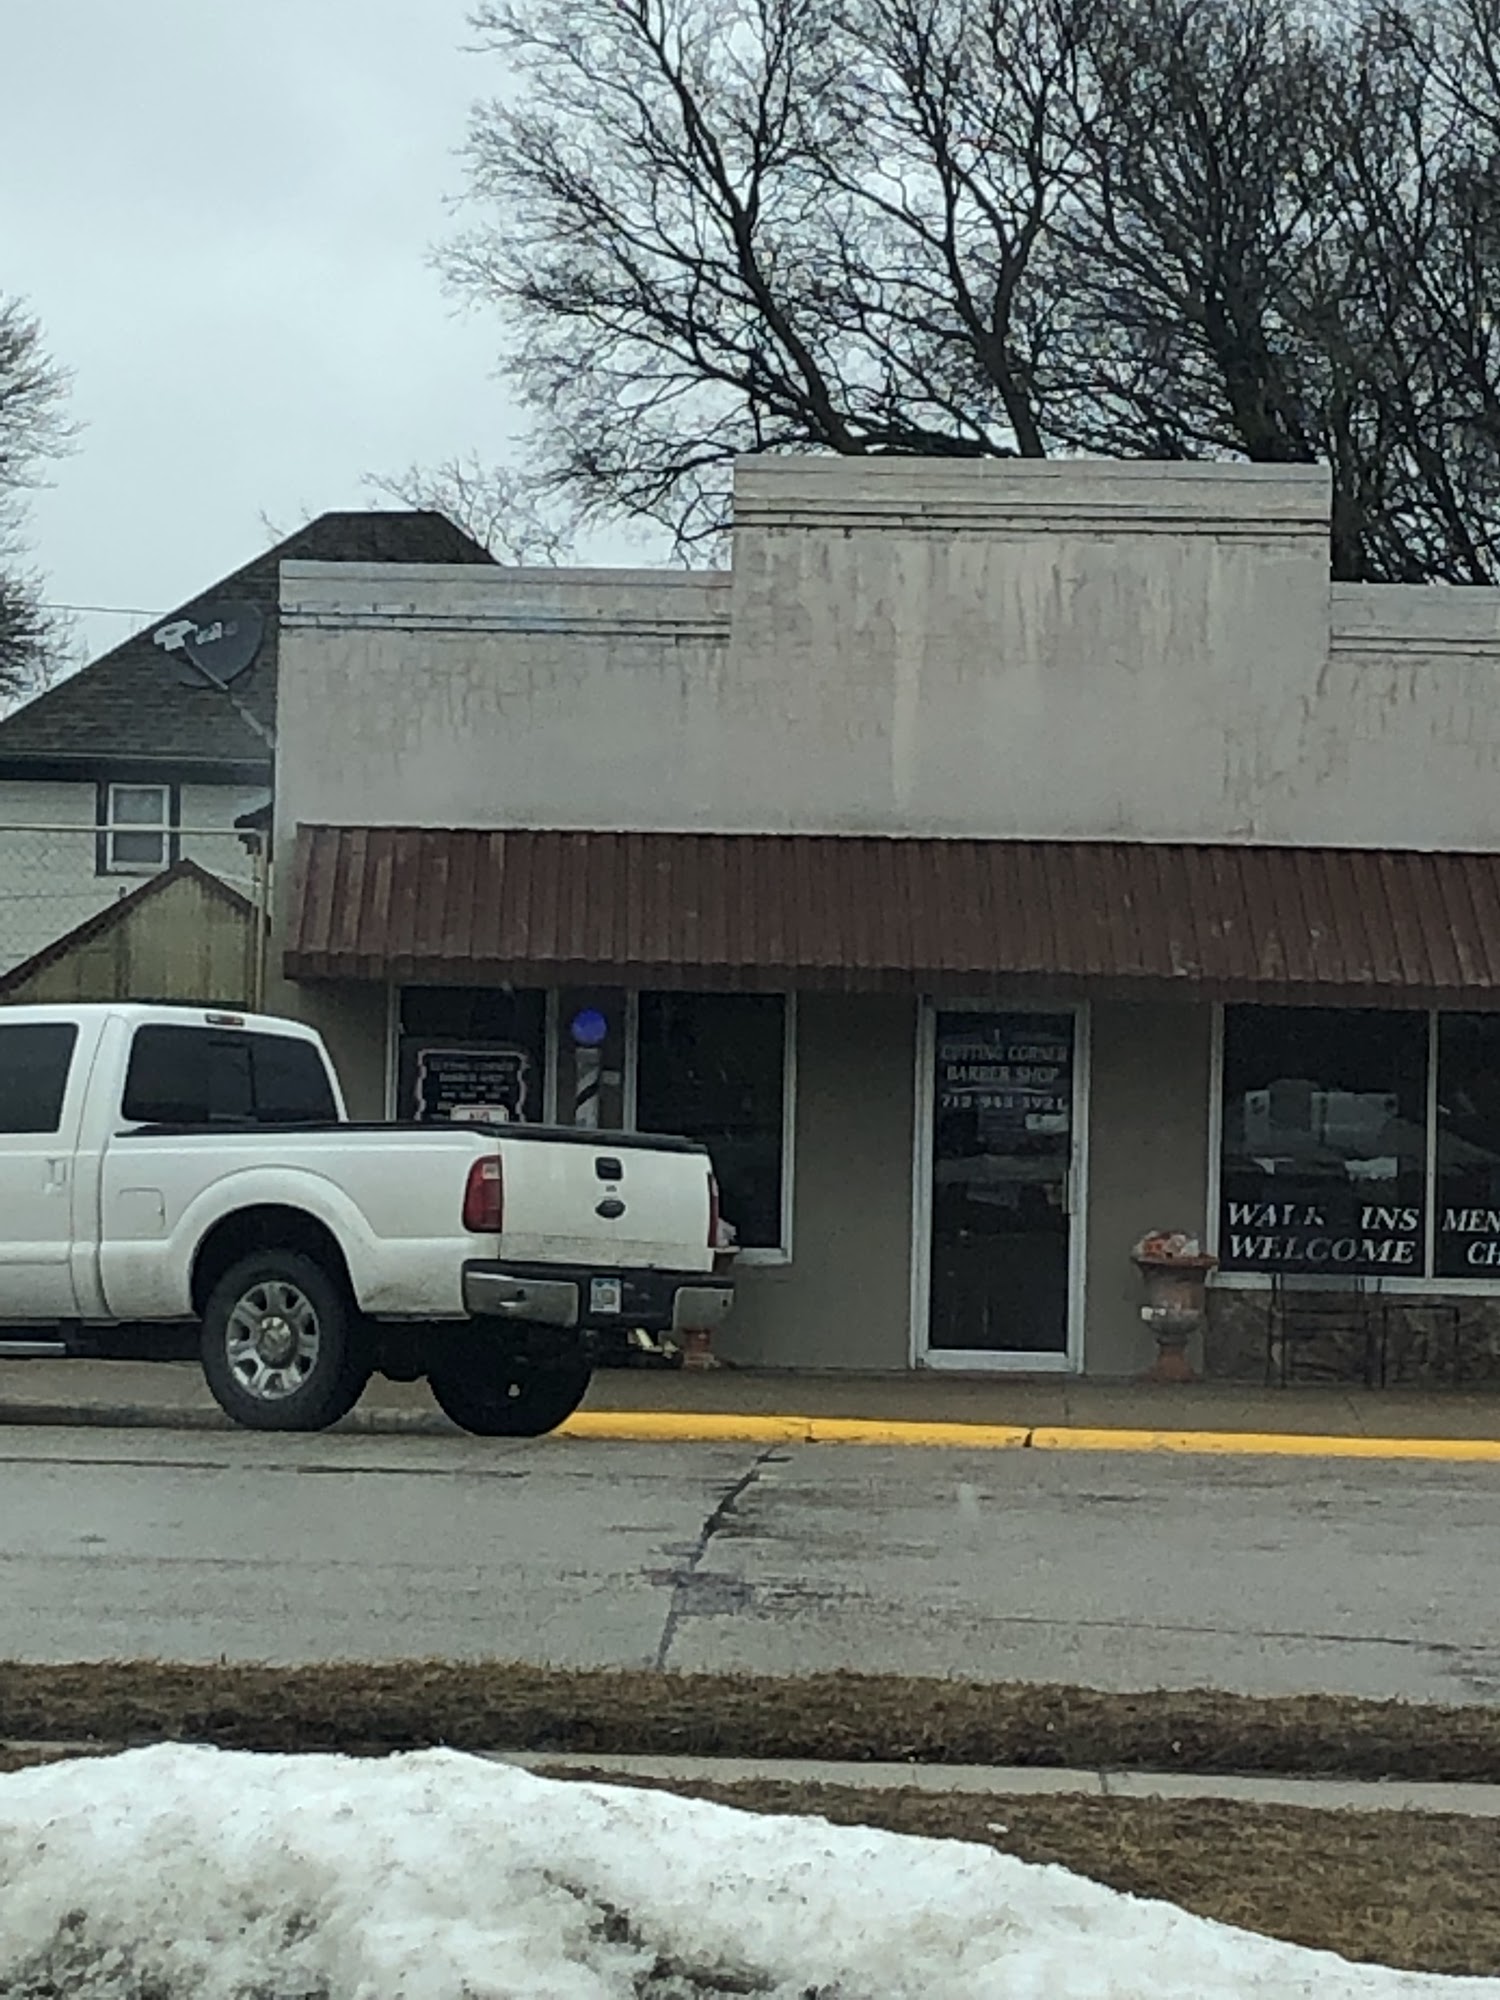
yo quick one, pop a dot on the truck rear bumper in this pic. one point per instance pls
(658, 1301)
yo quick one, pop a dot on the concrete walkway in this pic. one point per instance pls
(1024, 1781)
(997, 1781)
(755, 1406)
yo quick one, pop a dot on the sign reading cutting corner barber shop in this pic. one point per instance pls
(476, 1085)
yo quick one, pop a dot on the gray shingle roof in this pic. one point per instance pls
(131, 706)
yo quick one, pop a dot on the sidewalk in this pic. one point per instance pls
(985, 1411)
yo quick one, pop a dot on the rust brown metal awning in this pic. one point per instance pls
(854, 913)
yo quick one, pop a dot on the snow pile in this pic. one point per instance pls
(185, 1874)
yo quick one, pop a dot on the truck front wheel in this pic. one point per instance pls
(495, 1394)
(282, 1346)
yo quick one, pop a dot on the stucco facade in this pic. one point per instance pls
(939, 651)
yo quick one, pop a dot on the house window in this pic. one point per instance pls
(1325, 1141)
(714, 1067)
(136, 829)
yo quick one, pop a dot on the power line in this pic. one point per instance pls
(111, 610)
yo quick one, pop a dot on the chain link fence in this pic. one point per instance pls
(133, 910)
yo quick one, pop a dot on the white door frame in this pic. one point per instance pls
(984, 1360)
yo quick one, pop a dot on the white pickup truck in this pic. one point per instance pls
(170, 1175)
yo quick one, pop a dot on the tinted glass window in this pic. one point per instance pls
(197, 1076)
(291, 1084)
(712, 1067)
(1324, 1141)
(35, 1058)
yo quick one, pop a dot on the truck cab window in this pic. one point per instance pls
(197, 1076)
(35, 1058)
(291, 1085)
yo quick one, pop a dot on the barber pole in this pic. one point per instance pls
(588, 1065)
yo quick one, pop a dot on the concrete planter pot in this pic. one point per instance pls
(1176, 1276)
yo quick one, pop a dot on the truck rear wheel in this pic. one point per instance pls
(282, 1347)
(494, 1394)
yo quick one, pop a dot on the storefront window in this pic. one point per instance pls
(471, 1053)
(1468, 1146)
(1324, 1141)
(712, 1067)
(707, 1066)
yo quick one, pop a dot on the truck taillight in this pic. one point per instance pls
(713, 1213)
(484, 1198)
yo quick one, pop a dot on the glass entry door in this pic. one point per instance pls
(1001, 1266)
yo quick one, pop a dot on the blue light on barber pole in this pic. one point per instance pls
(588, 1028)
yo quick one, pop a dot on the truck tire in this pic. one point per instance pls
(282, 1348)
(494, 1394)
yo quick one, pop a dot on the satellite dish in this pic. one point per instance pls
(221, 638)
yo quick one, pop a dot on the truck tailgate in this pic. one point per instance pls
(608, 1200)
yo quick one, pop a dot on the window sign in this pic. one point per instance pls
(1010, 1078)
(472, 1055)
(1324, 1141)
(487, 1085)
(1468, 1146)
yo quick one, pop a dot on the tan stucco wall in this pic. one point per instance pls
(1148, 1161)
(996, 649)
(352, 1021)
(844, 1300)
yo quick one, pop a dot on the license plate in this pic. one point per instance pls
(605, 1295)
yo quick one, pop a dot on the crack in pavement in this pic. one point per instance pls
(683, 1576)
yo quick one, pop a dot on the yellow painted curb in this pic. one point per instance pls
(965, 1437)
(685, 1427)
(690, 1427)
(1267, 1444)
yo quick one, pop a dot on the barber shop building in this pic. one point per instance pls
(994, 863)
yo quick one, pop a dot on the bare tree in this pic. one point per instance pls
(767, 226)
(1163, 228)
(496, 504)
(33, 431)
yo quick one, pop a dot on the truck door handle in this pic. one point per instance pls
(57, 1173)
(611, 1209)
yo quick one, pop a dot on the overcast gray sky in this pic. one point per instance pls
(222, 213)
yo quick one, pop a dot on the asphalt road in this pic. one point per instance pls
(1269, 1576)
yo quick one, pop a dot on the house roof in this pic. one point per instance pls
(135, 706)
(1371, 928)
(122, 911)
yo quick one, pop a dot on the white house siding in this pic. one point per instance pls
(48, 880)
